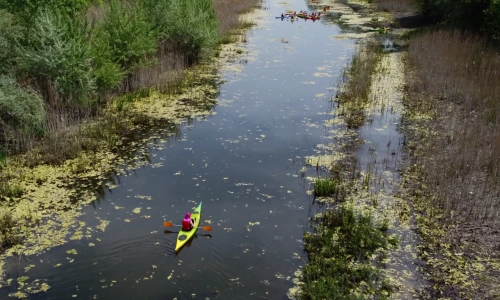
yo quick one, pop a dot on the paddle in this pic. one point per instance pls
(204, 234)
(168, 224)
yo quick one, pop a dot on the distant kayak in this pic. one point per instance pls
(184, 236)
(313, 17)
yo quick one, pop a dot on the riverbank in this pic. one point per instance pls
(454, 255)
(357, 204)
(43, 198)
(451, 177)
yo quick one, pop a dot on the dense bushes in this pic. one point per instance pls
(20, 106)
(481, 15)
(62, 53)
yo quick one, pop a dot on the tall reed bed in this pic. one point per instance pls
(228, 12)
(457, 82)
(452, 117)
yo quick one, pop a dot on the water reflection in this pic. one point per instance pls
(245, 162)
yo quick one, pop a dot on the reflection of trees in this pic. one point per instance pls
(138, 144)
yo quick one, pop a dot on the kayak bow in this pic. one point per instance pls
(184, 236)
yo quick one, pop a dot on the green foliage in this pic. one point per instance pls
(325, 187)
(128, 34)
(465, 14)
(191, 24)
(341, 254)
(9, 34)
(27, 10)
(49, 46)
(20, 106)
(492, 19)
(58, 50)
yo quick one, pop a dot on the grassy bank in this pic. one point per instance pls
(43, 189)
(63, 62)
(451, 119)
(450, 180)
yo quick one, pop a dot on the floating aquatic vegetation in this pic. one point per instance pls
(143, 197)
(251, 224)
(102, 225)
(318, 74)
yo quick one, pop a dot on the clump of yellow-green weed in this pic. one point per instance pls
(341, 252)
(325, 187)
(8, 229)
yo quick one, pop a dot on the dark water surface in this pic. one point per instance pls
(239, 162)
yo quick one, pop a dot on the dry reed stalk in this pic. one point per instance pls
(460, 79)
(228, 12)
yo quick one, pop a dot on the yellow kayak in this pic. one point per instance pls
(185, 236)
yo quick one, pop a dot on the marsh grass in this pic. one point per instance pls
(325, 187)
(355, 83)
(228, 12)
(452, 106)
(341, 250)
(457, 82)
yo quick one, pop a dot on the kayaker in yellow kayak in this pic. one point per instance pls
(187, 222)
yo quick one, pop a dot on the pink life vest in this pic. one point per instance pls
(186, 222)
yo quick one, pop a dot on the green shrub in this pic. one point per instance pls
(126, 35)
(9, 34)
(20, 106)
(58, 50)
(463, 14)
(27, 10)
(191, 24)
(492, 19)
(107, 72)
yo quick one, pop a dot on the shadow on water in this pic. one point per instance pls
(138, 146)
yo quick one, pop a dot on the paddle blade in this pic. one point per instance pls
(207, 228)
(167, 224)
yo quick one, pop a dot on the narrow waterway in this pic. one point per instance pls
(241, 162)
